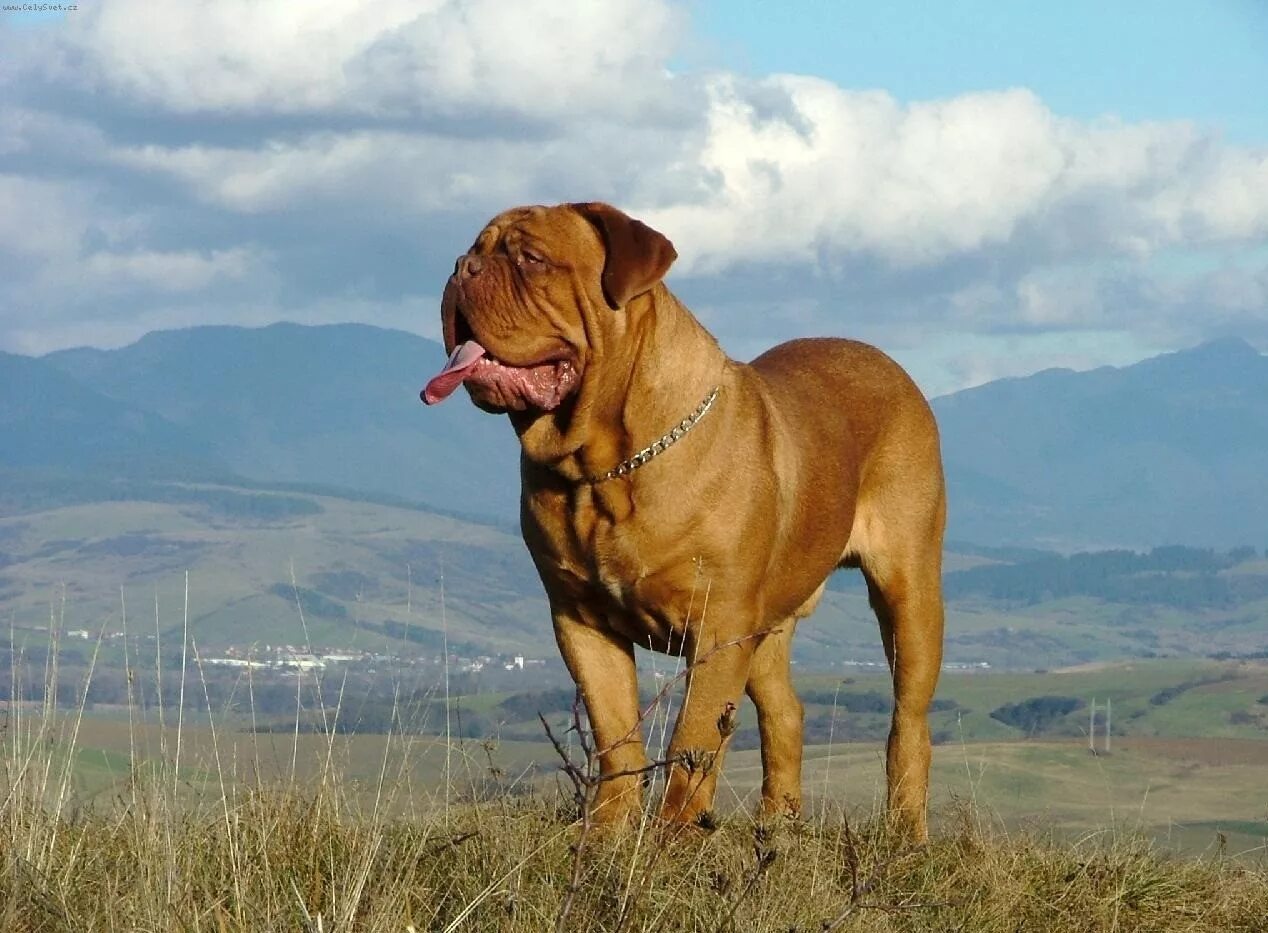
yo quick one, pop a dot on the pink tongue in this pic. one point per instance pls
(461, 362)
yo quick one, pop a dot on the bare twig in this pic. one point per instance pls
(453, 842)
(764, 855)
(587, 776)
(861, 887)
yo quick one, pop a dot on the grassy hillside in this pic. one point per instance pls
(363, 570)
(277, 860)
(121, 824)
(247, 552)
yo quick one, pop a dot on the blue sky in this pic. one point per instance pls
(982, 189)
(1136, 60)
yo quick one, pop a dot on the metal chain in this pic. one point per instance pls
(660, 446)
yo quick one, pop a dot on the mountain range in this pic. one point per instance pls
(334, 406)
(1171, 449)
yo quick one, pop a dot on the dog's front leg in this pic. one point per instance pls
(602, 664)
(715, 682)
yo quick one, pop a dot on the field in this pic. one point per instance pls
(124, 818)
(1190, 795)
(1173, 772)
(362, 569)
(359, 799)
(226, 831)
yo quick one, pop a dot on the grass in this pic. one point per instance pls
(201, 827)
(496, 599)
(286, 857)
(1180, 793)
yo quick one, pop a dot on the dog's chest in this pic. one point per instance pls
(653, 597)
(621, 565)
(630, 564)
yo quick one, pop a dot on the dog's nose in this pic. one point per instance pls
(468, 266)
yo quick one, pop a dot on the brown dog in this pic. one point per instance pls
(712, 539)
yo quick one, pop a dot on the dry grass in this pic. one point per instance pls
(191, 838)
(197, 851)
(279, 860)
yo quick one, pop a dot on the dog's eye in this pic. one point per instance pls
(530, 258)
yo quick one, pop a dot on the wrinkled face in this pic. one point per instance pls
(517, 309)
(512, 311)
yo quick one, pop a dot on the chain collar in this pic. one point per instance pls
(660, 446)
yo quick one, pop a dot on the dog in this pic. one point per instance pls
(676, 499)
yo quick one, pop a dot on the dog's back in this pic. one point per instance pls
(858, 420)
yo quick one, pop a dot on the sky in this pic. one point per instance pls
(983, 189)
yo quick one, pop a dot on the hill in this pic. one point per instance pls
(49, 419)
(335, 405)
(365, 570)
(1170, 450)
(366, 574)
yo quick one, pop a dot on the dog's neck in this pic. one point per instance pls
(648, 372)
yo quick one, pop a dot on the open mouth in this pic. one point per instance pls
(543, 384)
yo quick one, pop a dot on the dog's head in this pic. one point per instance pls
(527, 305)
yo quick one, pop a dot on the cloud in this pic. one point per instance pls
(385, 58)
(172, 271)
(406, 171)
(832, 173)
(240, 162)
(40, 219)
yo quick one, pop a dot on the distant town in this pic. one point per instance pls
(296, 658)
(293, 658)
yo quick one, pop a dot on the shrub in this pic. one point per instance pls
(1038, 714)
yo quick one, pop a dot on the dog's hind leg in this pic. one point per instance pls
(779, 720)
(905, 590)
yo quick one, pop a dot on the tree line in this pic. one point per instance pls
(1183, 577)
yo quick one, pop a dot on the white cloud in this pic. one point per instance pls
(25, 130)
(39, 219)
(230, 160)
(830, 171)
(65, 232)
(410, 172)
(171, 271)
(458, 58)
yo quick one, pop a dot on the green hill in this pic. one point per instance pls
(374, 566)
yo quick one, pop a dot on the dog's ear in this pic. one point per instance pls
(637, 256)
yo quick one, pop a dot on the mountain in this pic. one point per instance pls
(334, 406)
(50, 420)
(117, 477)
(1172, 449)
